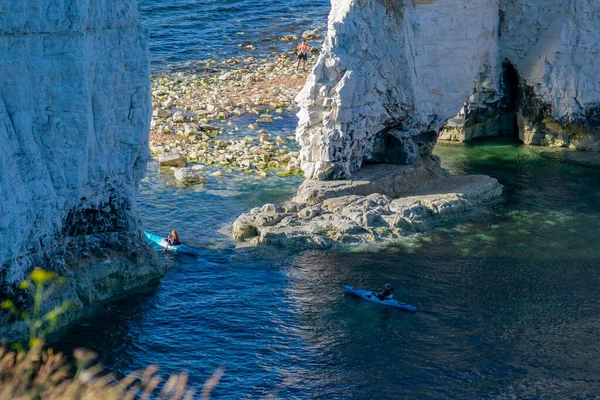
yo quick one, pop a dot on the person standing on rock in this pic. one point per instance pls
(303, 50)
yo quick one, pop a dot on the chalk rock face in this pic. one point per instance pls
(555, 48)
(74, 120)
(480, 68)
(406, 66)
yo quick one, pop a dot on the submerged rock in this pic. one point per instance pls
(189, 175)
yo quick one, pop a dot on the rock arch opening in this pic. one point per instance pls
(396, 146)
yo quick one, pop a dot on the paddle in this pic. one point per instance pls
(166, 248)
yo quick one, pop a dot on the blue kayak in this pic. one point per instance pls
(162, 242)
(371, 296)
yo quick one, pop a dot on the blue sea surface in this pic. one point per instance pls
(507, 297)
(190, 30)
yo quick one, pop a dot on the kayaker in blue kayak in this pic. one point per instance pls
(387, 294)
(173, 239)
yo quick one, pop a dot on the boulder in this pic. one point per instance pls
(189, 175)
(161, 113)
(172, 159)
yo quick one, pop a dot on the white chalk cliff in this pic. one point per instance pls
(74, 120)
(404, 68)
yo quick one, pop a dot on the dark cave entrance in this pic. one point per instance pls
(396, 146)
(390, 148)
(510, 83)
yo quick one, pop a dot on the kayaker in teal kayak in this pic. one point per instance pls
(173, 239)
(387, 294)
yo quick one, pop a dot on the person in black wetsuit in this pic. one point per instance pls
(387, 293)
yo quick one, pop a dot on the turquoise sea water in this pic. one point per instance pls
(508, 300)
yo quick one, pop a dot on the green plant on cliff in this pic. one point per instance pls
(41, 285)
(40, 373)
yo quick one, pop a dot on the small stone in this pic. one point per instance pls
(157, 149)
(172, 159)
(179, 117)
(245, 164)
(217, 174)
(168, 103)
(160, 113)
(190, 129)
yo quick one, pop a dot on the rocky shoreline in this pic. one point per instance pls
(221, 115)
(381, 202)
(231, 116)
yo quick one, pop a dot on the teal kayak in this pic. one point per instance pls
(371, 296)
(162, 242)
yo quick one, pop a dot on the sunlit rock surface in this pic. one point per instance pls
(390, 76)
(549, 59)
(74, 120)
(381, 202)
(406, 66)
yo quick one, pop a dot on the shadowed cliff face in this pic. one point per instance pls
(74, 120)
(409, 67)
